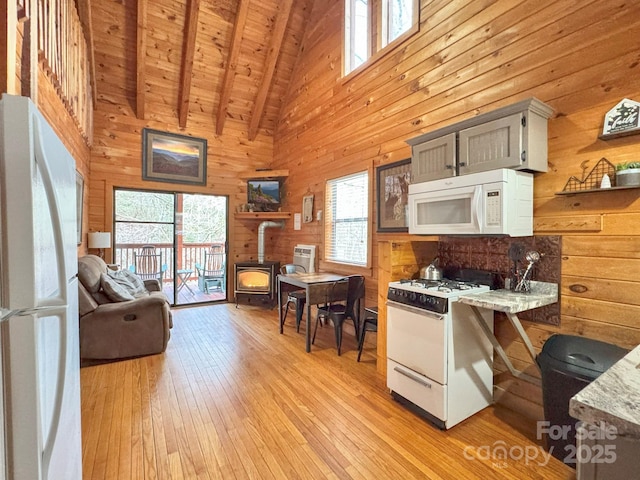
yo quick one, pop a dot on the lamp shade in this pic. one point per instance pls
(99, 239)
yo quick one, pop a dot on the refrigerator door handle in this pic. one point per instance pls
(54, 208)
(52, 303)
(49, 441)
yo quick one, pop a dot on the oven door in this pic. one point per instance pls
(416, 339)
(447, 211)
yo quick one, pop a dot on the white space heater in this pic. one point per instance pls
(305, 255)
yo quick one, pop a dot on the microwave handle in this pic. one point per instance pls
(476, 207)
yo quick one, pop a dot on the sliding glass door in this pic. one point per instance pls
(178, 238)
(201, 246)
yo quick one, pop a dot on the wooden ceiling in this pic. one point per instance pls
(226, 62)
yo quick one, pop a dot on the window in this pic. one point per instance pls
(347, 219)
(372, 25)
(397, 18)
(356, 33)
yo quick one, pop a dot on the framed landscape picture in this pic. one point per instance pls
(173, 158)
(392, 186)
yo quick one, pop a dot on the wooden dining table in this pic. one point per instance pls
(316, 286)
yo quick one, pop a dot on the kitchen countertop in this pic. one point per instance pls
(612, 398)
(542, 293)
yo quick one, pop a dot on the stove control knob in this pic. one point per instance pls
(423, 298)
(412, 296)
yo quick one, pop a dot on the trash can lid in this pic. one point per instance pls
(582, 352)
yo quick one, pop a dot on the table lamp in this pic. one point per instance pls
(100, 240)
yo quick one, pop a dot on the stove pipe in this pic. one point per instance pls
(261, 229)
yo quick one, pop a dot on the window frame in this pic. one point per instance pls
(328, 224)
(376, 35)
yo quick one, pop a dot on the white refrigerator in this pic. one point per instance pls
(38, 299)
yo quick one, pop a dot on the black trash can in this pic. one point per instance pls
(568, 364)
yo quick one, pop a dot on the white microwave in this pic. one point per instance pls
(495, 202)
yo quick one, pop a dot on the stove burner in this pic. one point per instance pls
(444, 285)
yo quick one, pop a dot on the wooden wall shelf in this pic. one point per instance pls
(593, 190)
(255, 174)
(263, 215)
(611, 136)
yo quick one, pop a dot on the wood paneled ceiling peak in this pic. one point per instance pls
(176, 60)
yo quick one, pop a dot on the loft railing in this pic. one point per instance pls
(63, 51)
(190, 254)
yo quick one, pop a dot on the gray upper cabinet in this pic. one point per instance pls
(510, 137)
(434, 159)
(491, 145)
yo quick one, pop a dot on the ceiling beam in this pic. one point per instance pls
(190, 30)
(270, 66)
(141, 33)
(230, 68)
(84, 11)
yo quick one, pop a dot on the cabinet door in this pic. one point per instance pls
(491, 145)
(434, 159)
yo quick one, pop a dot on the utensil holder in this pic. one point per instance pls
(516, 282)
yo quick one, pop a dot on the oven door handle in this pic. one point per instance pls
(409, 374)
(419, 311)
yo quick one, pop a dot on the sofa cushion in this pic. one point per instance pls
(90, 267)
(130, 281)
(114, 290)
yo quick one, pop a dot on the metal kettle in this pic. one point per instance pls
(431, 271)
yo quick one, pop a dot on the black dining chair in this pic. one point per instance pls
(343, 302)
(296, 298)
(370, 324)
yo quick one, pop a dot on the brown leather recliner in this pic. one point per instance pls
(110, 330)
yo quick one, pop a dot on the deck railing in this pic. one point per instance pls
(189, 255)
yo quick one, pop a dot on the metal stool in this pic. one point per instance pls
(370, 324)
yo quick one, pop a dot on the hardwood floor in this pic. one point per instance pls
(232, 398)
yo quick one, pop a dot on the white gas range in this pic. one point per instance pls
(439, 362)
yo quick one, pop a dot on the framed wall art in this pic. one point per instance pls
(392, 187)
(173, 158)
(79, 199)
(307, 209)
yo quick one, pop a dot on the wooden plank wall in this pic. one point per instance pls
(58, 116)
(116, 159)
(470, 57)
(117, 153)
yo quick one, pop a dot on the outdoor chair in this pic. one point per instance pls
(147, 264)
(212, 273)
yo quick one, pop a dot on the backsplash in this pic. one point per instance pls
(492, 253)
